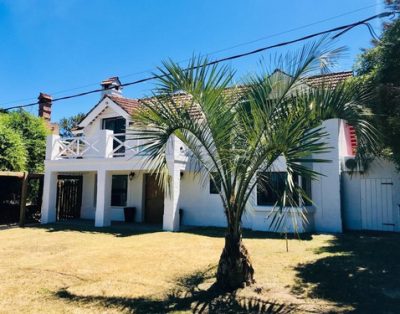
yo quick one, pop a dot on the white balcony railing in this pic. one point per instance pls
(76, 147)
(105, 144)
(124, 145)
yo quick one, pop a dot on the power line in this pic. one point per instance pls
(210, 53)
(264, 37)
(293, 29)
(343, 29)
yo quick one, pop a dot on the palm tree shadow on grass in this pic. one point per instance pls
(363, 273)
(186, 296)
(218, 232)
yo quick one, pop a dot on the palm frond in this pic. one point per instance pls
(235, 133)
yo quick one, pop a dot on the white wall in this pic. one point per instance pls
(204, 209)
(259, 218)
(96, 125)
(326, 191)
(88, 209)
(293, 223)
(200, 208)
(134, 198)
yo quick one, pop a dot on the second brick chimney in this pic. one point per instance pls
(45, 112)
(45, 106)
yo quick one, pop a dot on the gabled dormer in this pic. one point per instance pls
(112, 112)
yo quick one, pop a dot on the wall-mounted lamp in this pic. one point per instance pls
(181, 174)
(131, 175)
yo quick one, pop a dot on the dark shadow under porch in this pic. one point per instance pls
(117, 228)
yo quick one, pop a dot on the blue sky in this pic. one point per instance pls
(68, 46)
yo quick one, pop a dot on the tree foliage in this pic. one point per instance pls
(12, 148)
(68, 124)
(29, 133)
(236, 134)
(379, 68)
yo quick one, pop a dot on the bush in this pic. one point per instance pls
(28, 136)
(12, 149)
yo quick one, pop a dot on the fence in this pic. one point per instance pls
(20, 197)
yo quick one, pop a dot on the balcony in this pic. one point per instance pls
(104, 145)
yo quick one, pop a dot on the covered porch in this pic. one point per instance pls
(105, 196)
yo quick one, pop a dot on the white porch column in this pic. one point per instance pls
(326, 191)
(171, 200)
(49, 198)
(103, 210)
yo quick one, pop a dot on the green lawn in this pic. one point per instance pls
(125, 269)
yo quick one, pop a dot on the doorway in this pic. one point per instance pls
(377, 204)
(154, 201)
(69, 197)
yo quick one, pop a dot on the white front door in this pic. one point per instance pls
(377, 204)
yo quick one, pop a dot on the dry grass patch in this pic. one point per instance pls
(78, 270)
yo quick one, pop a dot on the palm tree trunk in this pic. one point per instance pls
(234, 269)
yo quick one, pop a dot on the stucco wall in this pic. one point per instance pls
(204, 209)
(92, 129)
(326, 190)
(134, 198)
(88, 209)
(200, 208)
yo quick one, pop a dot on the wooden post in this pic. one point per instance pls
(24, 194)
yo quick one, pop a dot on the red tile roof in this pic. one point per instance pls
(331, 79)
(129, 105)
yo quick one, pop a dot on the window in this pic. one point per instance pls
(119, 189)
(117, 125)
(306, 185)
(215, 187)
(271, 188)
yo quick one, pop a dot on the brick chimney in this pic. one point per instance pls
(45, 106)
(45, 112)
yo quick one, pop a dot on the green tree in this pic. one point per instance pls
(12, 149)
(32, 131)
(68, 124)
(236, 134)
(379, 67)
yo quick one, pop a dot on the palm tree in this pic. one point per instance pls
(236, 134)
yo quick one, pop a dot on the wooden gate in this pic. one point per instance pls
(69, 197)
(377, 204)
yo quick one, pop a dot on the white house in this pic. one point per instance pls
(99, 172)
